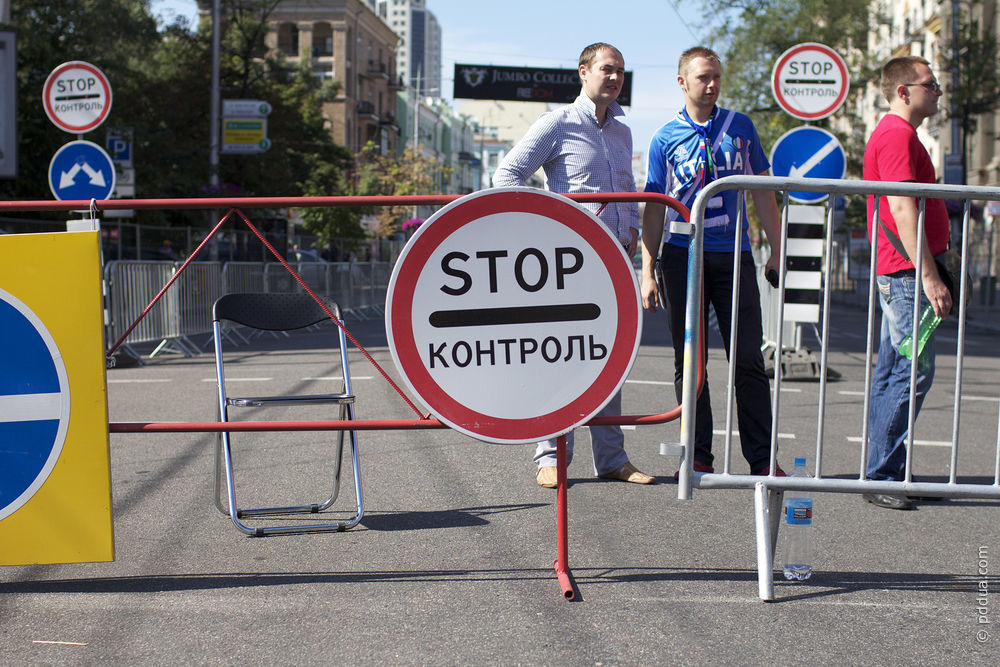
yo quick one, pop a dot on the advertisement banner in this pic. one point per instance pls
(524, 84)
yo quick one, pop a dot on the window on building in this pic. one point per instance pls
(288, 39)
(322, 40)
(323, 71)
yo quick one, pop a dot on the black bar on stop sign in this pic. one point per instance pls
(480, 317)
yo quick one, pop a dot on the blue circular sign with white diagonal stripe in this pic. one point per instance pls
(808, 152)
(34, 404)
(81, 170)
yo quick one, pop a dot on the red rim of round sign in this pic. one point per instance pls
(776, 85)
(50, 112)
(400, 305)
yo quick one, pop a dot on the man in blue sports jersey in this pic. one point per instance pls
(704, 142)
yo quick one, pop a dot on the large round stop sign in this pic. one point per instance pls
(513, 314)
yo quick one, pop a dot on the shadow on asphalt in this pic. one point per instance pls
(821, 585)
(457, 518)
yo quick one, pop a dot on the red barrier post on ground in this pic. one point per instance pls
(562, 528)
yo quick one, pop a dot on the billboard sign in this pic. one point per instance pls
(524, 84)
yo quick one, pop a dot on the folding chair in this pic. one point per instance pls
(279, 312)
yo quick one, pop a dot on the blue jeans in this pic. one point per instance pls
(890, 403)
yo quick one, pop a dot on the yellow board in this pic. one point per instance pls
(55, 501)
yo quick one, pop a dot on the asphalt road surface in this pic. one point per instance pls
(452, 563)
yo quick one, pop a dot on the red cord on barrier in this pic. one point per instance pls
(164, 289)
(326, 310)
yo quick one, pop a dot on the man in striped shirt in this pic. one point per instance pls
(584, 147)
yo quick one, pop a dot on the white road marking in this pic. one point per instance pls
(238, 379)
(139, 380)
(781, 436)
(923, 443)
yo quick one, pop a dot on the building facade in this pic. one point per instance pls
(500, 125)
(924, 28)
(418, 58)
(346, 41)
(432, 127)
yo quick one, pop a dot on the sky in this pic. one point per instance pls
(651, 34)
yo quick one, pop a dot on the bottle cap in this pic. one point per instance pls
(800, 462)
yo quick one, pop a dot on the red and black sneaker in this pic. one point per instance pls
(766, 470)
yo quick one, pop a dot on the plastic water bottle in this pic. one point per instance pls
(925, 327)
(796, 561)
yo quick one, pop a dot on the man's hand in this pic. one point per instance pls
(904, 212)
(633, 244)
(770, 222)
(650, 292)
(773, 268)
(936, 291)
(652, 234)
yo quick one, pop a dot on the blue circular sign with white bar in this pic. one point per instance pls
(808, 152)
(81, 170)
(34, 404)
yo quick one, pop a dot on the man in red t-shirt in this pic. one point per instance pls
(894, 153)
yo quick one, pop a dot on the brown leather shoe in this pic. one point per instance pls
(629, 473)
(547, 477)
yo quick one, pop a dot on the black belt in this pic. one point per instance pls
(902, 273)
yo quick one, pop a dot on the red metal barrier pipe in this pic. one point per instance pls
(224, 203)
(308, 202)
(249, 426)
(562, 539)
(562, 522)
(359, 425)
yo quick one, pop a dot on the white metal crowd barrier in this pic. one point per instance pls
(768, 490)
(185, 310)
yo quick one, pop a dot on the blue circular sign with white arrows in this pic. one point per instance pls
(808, 152)
(81, 170)
(34, 404)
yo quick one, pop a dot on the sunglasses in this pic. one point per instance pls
(932, 86)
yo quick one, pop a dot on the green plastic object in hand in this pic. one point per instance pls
(925, 327)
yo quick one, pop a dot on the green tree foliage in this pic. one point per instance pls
(411, 173)
(161, 82)
(750, 36)
(51, 32)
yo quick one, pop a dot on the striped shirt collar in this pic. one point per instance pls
(590, 109)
